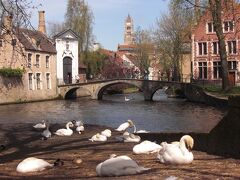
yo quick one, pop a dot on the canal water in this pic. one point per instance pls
(162, 115)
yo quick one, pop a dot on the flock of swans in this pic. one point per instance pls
(178, 152)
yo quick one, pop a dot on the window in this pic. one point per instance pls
(38, 79)
(47, 61)
(14, 42)
(30, 82)
(67, 45)
(232, 65)
(128, 27)
(202, 68)
(215, 47)
(1, 43)
(210, 27)
(29, 61)
(48, 81)
(228, 26)
(37, 60)
(202, 48)
(232, 47)
(217, 70)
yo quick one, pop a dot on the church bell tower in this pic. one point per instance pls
(128, 31)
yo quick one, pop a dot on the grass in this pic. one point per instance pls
(217, 90)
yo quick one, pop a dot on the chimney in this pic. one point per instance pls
(7, 23)
(41, 23)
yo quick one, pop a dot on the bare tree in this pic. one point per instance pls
(143, 50)
(171, 30)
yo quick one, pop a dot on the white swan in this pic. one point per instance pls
(65, 132)
(126, 99)
(125, 125)
(119, 166)
(32, 164)
(107, 133)
(46, 133)
(139, 131)
(41, 125)
(98, 137)
(129, 137)
(80, 129)
(177, 153)
(146, 147)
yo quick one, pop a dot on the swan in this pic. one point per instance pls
(41, 125)
(80, 129)
(65, 132)
(146, 147)
(177, 153)
(98, 137)
(33, 164)
(77, 123)
(119, 166)
(46, 133)
(107, 133)
(139, 131)
(129, 137)
(125, 125)
(126, 99)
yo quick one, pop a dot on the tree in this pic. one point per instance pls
(143, 49)
(79, 18)
(170, 32)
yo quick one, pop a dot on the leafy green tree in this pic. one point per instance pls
(94, 61)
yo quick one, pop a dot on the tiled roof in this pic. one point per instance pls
(35, 41)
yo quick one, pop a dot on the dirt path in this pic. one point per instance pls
(22, 141)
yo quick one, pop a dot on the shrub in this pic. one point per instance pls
(9, 72)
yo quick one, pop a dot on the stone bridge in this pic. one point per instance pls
(96, 88)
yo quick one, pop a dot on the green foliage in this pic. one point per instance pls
(94, 62)
(9, 72)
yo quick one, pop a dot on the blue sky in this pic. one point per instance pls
(109, 16)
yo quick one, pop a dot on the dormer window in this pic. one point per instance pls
(210, 27)
(228, 26)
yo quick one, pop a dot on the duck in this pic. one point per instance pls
(46, 133)
(33, 164)
(41, 125)
(146, 147)
(98, 137)
(107, 133)
(65, 132)
(177, 153)
(119, 166)
(129, 137)
(125, 125)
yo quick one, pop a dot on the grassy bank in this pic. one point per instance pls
(217, 90)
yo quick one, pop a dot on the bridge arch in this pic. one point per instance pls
(101, 89)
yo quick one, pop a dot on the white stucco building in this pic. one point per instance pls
(67, 57)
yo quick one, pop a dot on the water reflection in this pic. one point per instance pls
(164, 114)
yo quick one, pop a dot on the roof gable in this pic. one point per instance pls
(66, 34)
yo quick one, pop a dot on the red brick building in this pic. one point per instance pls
(206, 63)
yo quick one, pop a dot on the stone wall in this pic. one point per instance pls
(15, 90)
(195, 93)
(224, 139)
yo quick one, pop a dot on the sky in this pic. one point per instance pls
(109, 16)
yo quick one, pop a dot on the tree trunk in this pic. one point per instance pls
(216, 10)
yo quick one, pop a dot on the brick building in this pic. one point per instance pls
(32, 52)
(206, 63)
